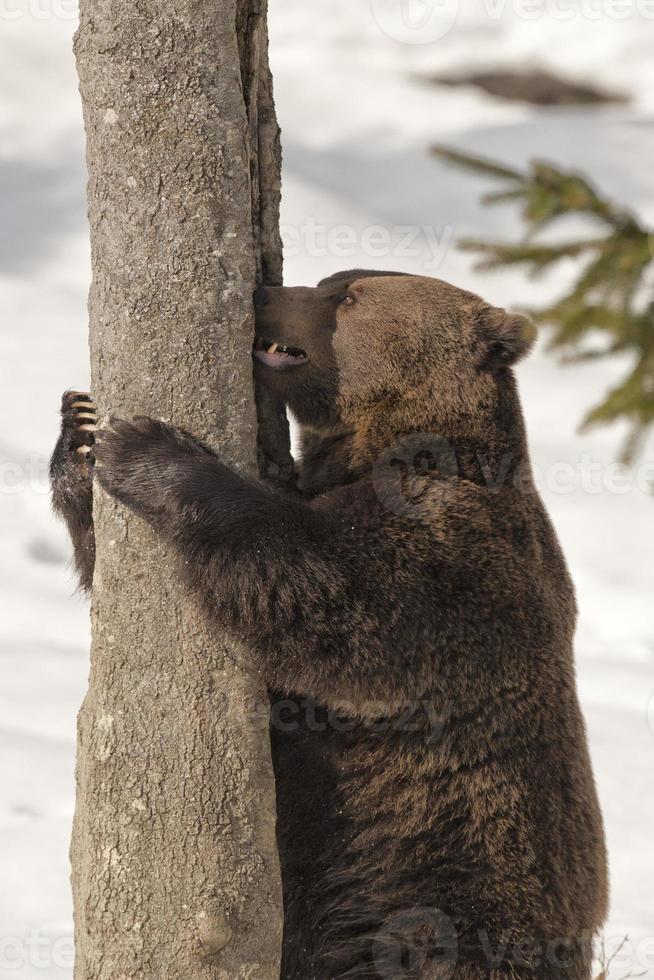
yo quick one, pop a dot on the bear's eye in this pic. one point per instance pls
(347, 300)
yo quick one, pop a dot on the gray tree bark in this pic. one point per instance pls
(174, 865)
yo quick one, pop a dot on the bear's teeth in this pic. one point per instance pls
(273, 348)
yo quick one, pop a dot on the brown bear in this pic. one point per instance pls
(414, 618)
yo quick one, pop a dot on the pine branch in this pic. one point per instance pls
(539, 257)
(475, 164)
(606, 299)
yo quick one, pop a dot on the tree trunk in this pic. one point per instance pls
(175, 869)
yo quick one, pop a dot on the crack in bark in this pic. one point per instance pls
(274, 454)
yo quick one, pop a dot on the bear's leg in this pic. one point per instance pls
(71, 477)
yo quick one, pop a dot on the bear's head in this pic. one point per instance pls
(410, 349)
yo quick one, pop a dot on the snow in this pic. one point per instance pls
(360, 189)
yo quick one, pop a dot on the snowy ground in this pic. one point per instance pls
(357, 119)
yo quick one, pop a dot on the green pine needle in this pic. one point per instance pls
(612, 296)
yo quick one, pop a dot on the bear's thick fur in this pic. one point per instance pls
(414, 618)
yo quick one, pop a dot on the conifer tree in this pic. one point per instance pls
(609, 309)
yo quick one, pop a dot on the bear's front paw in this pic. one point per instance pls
(78, 424)
(142, 464)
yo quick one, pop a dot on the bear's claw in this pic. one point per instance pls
(79, 423)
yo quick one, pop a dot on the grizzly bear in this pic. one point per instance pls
(413, 615)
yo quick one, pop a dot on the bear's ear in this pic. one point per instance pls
(503, 338)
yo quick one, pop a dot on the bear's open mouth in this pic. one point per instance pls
(278, 355)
